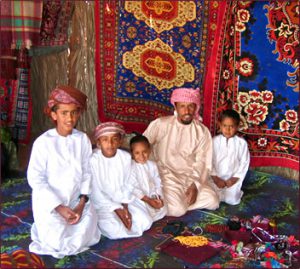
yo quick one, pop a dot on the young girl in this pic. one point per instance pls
(58, 173)
(148, 183)
(231, 159)
(119, 213)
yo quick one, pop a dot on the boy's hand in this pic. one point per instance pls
(125, 217)
(221, 184)
(191, 194)
(68, 214)
(231, 181)
(156, 203)
(79, 209)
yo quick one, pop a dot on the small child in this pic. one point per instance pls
(58, 173)
(148, 183)
(119, 213)
(231, 159)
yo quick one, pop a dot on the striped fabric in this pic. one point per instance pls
(22, 107)
(107, 128)
(20, 23)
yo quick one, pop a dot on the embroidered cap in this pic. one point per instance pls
(64, 94)
(106, 128)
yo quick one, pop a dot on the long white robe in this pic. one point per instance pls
(112, 185)
(148, 183)
(183, 154)
(58, 173)
(231, 158)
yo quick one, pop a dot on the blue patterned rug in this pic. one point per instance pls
(256, 72)
(270, 196)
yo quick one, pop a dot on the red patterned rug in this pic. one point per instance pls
(242, 54)
(8, 89)
(55, 22)
(16, 105)
(144, 50)
(255, 71)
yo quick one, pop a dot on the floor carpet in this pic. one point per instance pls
(270, 196)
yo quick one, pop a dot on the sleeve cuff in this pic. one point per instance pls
(53, 205)
(85, 189)
(113, 207)
(238, 176)
(52, 200)
(198, 185)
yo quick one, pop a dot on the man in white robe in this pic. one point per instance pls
(120, 214)
(182, 149)
(65, 222)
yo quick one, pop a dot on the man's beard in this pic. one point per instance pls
(187, 121)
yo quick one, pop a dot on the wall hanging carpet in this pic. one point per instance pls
(20, 23)
(8, 88)
(55, 22)
(144, 50)
(256, 72)
(242, 54)
(16, 105)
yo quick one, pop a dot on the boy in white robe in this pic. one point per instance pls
(148, 183)
(58, 173)
(231, 159)
(120, 215)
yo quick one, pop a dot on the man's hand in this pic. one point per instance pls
(231, 181)
(68, 214)
(156, 203)
(191, 194)
(125, 217)
(219, 182)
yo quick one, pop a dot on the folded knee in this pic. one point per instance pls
(214, 204)
(232, 201)
(176, 211)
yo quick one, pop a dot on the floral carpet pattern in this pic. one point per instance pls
(241, 54)
(270, 196)
(256, 72)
